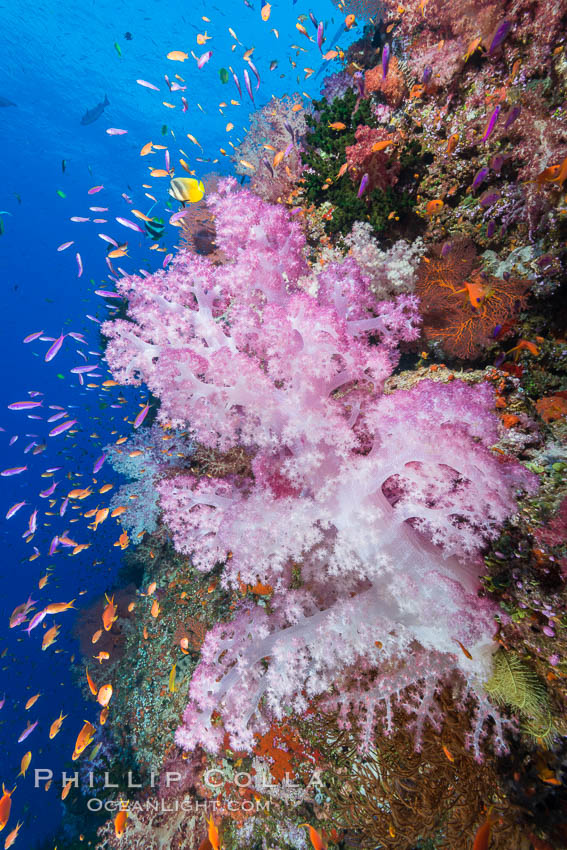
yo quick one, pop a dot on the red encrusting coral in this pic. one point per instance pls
(382, 166)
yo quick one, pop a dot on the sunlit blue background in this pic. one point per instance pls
(58, 60)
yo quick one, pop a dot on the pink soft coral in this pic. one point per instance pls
(363, 512)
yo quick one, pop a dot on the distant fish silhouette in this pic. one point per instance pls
(91, 115)
(5, 102)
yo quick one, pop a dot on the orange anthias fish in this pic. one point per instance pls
(452, 143)
(380, 146)
(84, 738)
(120, 822)
(102, 656)
(464, 650)
(433, 207)
(92, 687)
(50, 637)
(109, 615)
(12, 835)
(213, 834)
(32, 701)
(317, 840)
(525, 345)
(482, 837)
(25, 763)
(56, 725)
(5, 806)
(337, 125)
(476, 293)
(104, 695)
(59, 607)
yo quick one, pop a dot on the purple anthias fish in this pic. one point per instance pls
(98, 464)
(53, 546)
(489, 198)
(27, 731)
(53, 349)
(141, 416)
(31, 337)
(20, 613)
(44, 494)
(57, 416)
(247, 84)
(24, 405)
(237, 83)
(491, 124)
(491, 228)
(3, 701)
(385, 60)
(480, 177)
(427, 73)
(363, 185)
(359, 80)
(60, 429)
(14, 470)
(14, 509)
(512, 115)
(320, 31)
(499, 35)
(255, 72)
(36, 620)
(63, 507)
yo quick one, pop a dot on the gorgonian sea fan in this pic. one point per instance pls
(364, 513)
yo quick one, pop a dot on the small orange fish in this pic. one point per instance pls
(472, 48)
(102, 656)
(120, 822)
(177, 56)
(380, 146)
(84, 738)
(66, 789)
(118, 511)
(103, 715)
(146, 149)
(5, 806)
(50, 637)
(155, 609)
(452, 143)
(317, 840)
(337, 125)
(278, 158)
(59, 607)
(213, 833)
(32, 701)
(151, 588)
(104, 695)
(434, 207)
(97, 636)
(11, 837)
(25, 763)
(109, 615)
(56, 725)
(465, 651)
(448, 753)
(562, 175)
(525, 345)
(121, 251)
(43, 581)
(482, 837)
(92, 687)
(100, 517)
(350, 21)
(416, 91)
(476, 293)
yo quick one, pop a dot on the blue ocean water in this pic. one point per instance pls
(58, 61)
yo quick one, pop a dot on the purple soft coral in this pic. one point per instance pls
(382, 502)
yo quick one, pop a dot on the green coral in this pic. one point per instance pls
(515, 685)
(325, 153)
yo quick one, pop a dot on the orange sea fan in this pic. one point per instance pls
(447, 286)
